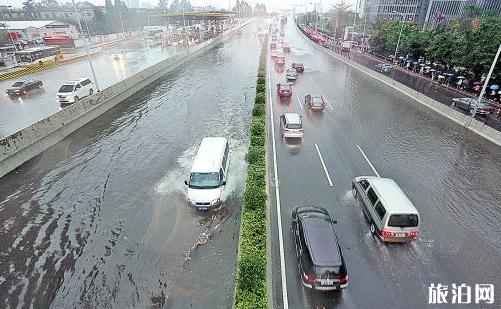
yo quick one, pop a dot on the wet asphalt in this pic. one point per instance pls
(451, 175)
(18, 112)
(100, 219)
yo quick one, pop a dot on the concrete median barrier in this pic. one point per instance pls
(27, 143)
(464, 120)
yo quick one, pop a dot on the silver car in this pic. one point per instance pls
(469, 104)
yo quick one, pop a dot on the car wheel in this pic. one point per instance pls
(453, 103)
(354, 191)
(471, 111)
(25, 92)
(40, 85)
(76, 99)
(373, 228)
(91, 91)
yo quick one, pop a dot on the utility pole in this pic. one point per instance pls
(86, 47)
(354, 20)
(399, 36)
(121, 24)
(475, 108)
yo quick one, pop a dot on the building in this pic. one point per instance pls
(85, 10)
(207, 8)
(33, 29)
(134, 4)
(407, 10)
(445, 11)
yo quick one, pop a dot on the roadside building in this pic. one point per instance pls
(442, 12)
(412, 11)
(30, 30)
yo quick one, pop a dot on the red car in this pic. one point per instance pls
(314, 102)
(299, 67)
(284, 90)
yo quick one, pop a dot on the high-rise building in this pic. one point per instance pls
(445, 11)
(133, 4)
(406, 10)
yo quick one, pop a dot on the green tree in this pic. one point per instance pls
(448, 47)
(342, 15)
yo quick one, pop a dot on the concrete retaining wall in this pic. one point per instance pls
(464, 120)
(31, 141)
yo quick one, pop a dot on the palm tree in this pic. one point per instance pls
(342, 13)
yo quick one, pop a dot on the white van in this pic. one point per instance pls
(208, 173)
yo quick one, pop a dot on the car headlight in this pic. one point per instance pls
(215, 201)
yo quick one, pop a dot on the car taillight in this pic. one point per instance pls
(385, 233)
(414, 234)
(343, 279)
(309, 278)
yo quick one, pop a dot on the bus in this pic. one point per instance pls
(38, 56)
(61, 40)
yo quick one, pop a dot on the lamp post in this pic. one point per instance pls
(86, 25)
(400, 35)
(121, 24)
(354, 21)
(475, 108)
(86, 47)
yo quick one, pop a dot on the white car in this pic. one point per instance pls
(73, 91)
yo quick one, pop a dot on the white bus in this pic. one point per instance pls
(38, 55)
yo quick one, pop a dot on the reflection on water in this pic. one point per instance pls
(294, 145)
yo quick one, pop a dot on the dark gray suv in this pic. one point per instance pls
(320, 260)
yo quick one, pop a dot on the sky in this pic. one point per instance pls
(270, 4)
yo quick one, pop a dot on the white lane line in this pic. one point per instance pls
(277, 194)
(325, 168)
(366, 159)
(299, 101)
(328, 103)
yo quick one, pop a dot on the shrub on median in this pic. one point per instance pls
(261, 80)
(255, 156)
(260, 88)
(260, 98)
(256, 175)
(254, 198)
(259, 110)
(253, 267)
(257, 126)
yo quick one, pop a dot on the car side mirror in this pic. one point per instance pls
(186, 182)
(224, 183)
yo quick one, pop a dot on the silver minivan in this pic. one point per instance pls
(291, 125)
(391, 215)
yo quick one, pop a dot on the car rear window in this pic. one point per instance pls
(66, 88)
(403, 220)
(294, 126)
(327, 271)
(17, 84)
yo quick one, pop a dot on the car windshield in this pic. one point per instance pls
(204, 180)
(317, 100)
(327, 271)
(403, 220)
(294, 126)
(18, 84)
(66, 88)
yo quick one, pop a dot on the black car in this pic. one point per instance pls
(320, 259)
(22, 87)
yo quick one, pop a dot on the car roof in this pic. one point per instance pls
(209, 154)
(75, 81)
(392, 196)
(292, 118)
(321, 241)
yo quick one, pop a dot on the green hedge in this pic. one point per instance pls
(251, 288)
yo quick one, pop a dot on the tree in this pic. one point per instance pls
(29, 9)
(448, 47)
(99, 21)
(342, 14)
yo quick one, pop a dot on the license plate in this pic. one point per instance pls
(400, 234)
(326, 281)
(203, 208)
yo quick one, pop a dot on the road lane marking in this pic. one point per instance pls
(299, 101)
(325, 168)
(328, 103)
(366, 159)
(278, 206)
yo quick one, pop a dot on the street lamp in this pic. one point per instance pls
(122, 24)
(400, 35)
(86, 25)
(475, 108)
(86, 47)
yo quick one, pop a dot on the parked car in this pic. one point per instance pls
(314, 102)
(320, 259)
(390, 213)
(274, 53)
(291, 74)
(299, 67)
(383, 67)
(73, 91)
(469, 104)
(286, 48)
(291, 125)
(22, 87)
(284, 90)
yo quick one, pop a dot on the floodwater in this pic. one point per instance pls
(100, 219)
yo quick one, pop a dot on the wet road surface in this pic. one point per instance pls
(100, 219)
(19, 112)
(451, 175)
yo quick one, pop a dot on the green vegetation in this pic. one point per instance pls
(251, 289)
(470, 42)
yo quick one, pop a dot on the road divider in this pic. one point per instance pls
(27, 143)
(323, 165)
(251, 286)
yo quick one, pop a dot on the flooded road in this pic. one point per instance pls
(100, 219)
(451, 174)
